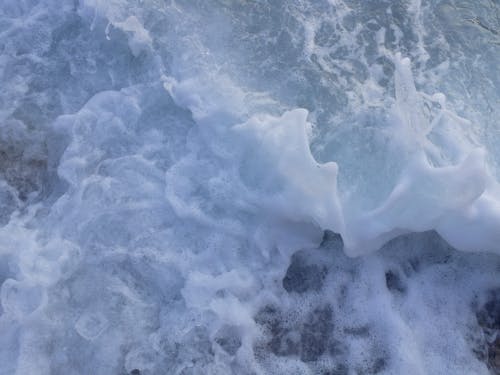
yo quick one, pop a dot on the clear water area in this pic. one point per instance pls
(249, 187)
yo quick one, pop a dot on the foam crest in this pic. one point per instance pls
(279, 148)
(427, 196)
(283, 177)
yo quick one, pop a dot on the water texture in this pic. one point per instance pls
(249, 187)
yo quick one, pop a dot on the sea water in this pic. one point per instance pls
(249, 187)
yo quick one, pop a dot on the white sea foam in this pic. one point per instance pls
(217, 187)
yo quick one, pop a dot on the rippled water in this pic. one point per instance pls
(249, 187)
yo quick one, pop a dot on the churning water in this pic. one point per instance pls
(249, 187)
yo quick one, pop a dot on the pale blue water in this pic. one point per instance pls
(249, 187)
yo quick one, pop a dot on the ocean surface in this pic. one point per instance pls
(249, 187)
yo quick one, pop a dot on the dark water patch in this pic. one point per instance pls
(488, 319)
(302, 277)
(394, 282)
